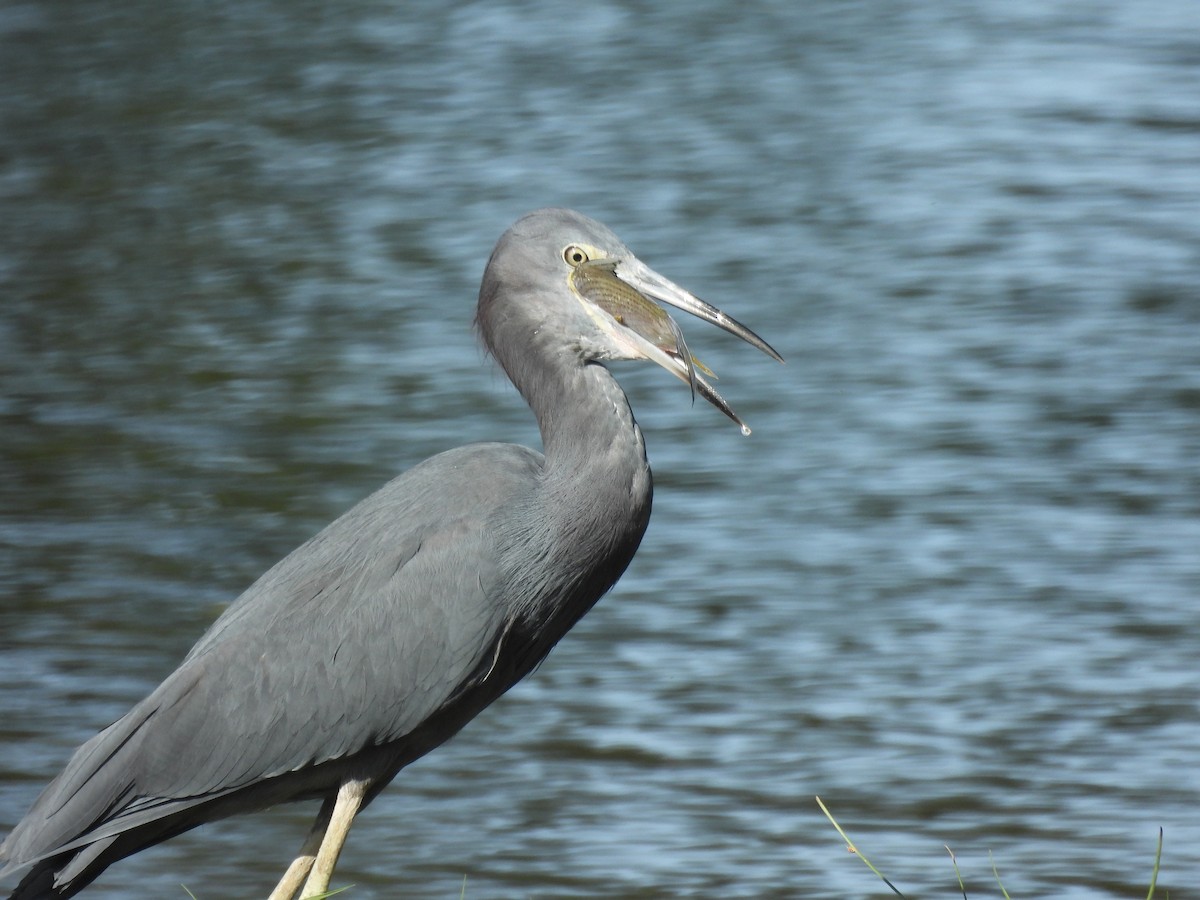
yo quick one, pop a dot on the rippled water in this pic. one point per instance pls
(950, 582)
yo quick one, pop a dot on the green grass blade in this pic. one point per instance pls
(992, 860)
(1157, 861)
(957, 874)
(853, 849)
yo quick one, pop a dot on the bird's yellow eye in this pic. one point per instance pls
(575, 256)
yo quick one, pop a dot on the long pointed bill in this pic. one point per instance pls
(616, 294)
(640, 276)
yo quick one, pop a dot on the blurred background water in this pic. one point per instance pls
(950, 582)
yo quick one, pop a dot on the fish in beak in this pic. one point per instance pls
(620, 295)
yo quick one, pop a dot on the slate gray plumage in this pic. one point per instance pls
(379, 638)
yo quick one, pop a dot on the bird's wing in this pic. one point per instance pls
(351, 641)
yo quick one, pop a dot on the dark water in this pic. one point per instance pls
(950, 583)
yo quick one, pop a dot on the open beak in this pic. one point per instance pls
(620, 295)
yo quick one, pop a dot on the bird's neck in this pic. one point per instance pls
(587, 428)
(589, 509)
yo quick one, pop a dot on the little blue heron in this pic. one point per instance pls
(382, 636)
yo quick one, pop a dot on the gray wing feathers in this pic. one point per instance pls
(350, 642)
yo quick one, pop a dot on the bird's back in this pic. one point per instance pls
(366, 646)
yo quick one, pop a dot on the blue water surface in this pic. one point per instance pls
(950, 582)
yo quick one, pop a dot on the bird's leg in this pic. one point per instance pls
(349, 800)
(298, 870)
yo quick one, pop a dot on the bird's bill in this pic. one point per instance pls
(625, 290)
(646, 281)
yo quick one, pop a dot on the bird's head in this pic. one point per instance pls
(557, 277)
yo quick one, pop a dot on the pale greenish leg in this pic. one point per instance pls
(299, 869)
(349, 801)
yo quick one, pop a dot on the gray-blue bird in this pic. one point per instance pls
(381, 637)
